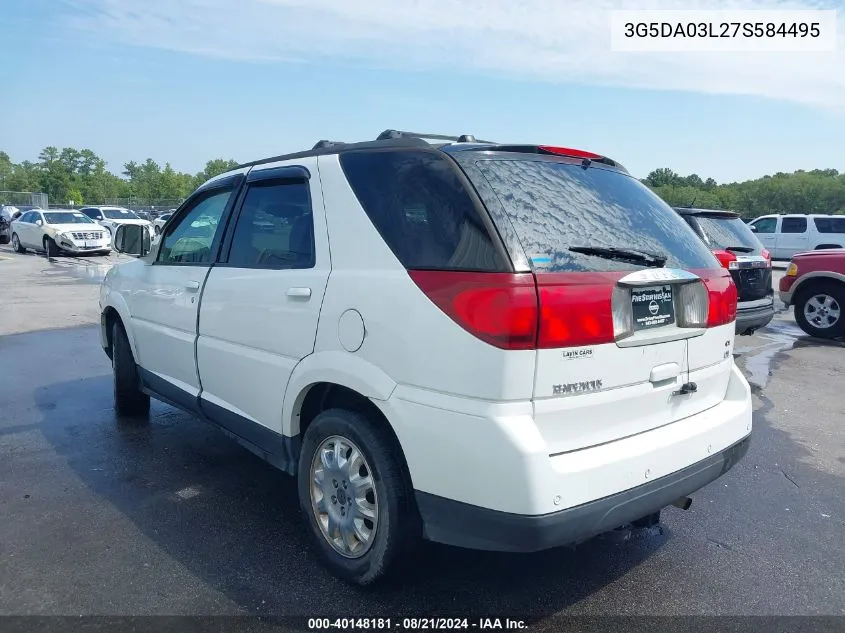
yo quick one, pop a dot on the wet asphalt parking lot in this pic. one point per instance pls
(101, 518)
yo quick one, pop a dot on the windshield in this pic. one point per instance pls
(722, 232)
(67, 218)
(555, 206)
(120, 214)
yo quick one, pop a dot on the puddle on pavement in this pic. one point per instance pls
(81, 270)
(778, 337)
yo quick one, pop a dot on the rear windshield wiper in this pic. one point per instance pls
(740, 249)
(645, 258)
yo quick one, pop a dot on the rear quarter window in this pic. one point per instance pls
(830, 225)
(421, 207)
(555, 205)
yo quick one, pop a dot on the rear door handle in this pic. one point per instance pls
(193, 286)
(299, 292)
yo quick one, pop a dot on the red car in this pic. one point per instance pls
(815, 284)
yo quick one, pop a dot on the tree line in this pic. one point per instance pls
(816, 191)
(81, 176)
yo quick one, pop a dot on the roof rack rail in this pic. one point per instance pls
(463, 138)
(324, 143)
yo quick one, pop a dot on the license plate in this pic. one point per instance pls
(652, 307)
(88, 244)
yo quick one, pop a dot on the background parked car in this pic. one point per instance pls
(7, 214)
(749, 263)
(59, 230)
(112, 217)
(786, 235)
(815, 284)
(159, 222)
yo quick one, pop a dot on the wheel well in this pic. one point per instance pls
(325, 395)
(813, 283)
(110, 317)
(821, 246)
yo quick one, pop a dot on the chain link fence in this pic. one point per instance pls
(145, 206)
(24, 199)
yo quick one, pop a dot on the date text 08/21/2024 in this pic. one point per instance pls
(425, 623)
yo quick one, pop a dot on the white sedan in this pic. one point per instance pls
(57, 231)
(158, 223)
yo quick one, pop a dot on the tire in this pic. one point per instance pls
(51, 248)
(16, 244)
(4, 239)
(395, 529)
(826, 300)
(129, 400)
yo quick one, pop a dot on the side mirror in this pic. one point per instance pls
(753, 228)
(38, 223)
(132, 239)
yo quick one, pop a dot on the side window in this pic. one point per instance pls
(830, 225)
(422, 210)
(794, 225)
(92, 213)
(275, 227)
(24, 217)
(767, 225)
(190, 240)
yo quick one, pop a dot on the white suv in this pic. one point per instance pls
(786, 235)
(503, 347)
(112, 217)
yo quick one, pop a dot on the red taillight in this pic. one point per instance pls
(766, 255)
(575, 308)
(498, 308)
(722, 295)
(725, 257)
(515, 311)
(568, 151)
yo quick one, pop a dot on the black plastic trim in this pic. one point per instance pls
(279, 450)
(463, 525)
(336, 148)
(753, 317)
(272, 447)
(166, 392)
(288, 172)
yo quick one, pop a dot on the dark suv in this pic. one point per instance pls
(750, 265)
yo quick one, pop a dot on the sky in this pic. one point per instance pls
(184, 81)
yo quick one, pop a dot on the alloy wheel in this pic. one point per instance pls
(822, 311)
(343, 496)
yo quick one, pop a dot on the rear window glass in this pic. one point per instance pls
(554, 206)
(422, 210)
(830, 225)
(726, 232)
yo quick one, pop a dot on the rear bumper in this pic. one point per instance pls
(464, 525)
(753, 318)
(490, 461)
